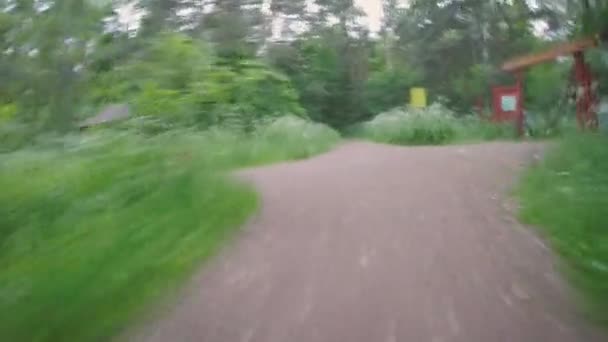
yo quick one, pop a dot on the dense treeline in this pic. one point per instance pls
(234, 62)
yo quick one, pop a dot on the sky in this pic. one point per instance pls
(373, 9)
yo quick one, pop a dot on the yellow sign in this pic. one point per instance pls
(418, 97)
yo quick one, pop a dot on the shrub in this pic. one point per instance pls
(155, 101)
(302, 137)
(432, 125)
(7, 112)
(181, 81)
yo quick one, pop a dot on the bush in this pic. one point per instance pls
(432, 126)
(182, 82)
(574, 179)
(301, 138)
(243, 96)
(7, 112)
(164, 103)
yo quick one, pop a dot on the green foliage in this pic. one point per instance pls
(298, 134)
(172, 60)
(42, 59)
(109, 87)
(330, 73)
(265, 92)
(14, 135)
(472, 128)
(181, 81)
(7, 112)
(89, 234)
(550, 123)
(244, 95)
(456, 43)
(288, 137)
(574, 178)
(92, 229)
(429, 126)
(598, 59)
(154, 101)
(546, 86)
(387, 89)
(473, 85)
(592, 15)
(548, 108)
(97, 228)
(411, 126)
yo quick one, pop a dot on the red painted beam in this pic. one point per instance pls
(522, 62)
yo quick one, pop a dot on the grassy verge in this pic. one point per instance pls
(94, 231)
(567, 196)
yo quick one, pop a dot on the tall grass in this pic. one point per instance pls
(94, 230)
(567, 196)
(434, 125)
(282, 139)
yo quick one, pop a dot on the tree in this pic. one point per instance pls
(160, 15)
(470, 32)
(237, 27)
(288, 14)
(329, 63)
(46, 45)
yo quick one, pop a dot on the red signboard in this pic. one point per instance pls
(508, 106)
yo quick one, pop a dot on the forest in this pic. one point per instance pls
(209, 86)
(221, 63)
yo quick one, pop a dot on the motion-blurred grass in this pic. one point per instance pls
(567, 195)
(94, 229)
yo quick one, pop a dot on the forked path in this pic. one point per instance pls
(375, 243)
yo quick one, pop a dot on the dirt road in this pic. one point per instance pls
(374, 243)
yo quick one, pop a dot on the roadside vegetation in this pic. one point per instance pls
(101, 224)
(434, 125)
(566, 195)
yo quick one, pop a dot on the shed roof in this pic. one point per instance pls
(110, 113)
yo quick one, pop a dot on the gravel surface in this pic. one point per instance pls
(375, 243)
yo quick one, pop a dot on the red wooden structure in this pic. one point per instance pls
(508, 104)
(508, 101)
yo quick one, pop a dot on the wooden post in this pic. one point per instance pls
(586, 99)
(519, 115)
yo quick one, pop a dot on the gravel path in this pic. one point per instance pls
(375, 243)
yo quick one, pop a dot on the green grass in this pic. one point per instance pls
(567, 197)
(93, 233)
(435, 125)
